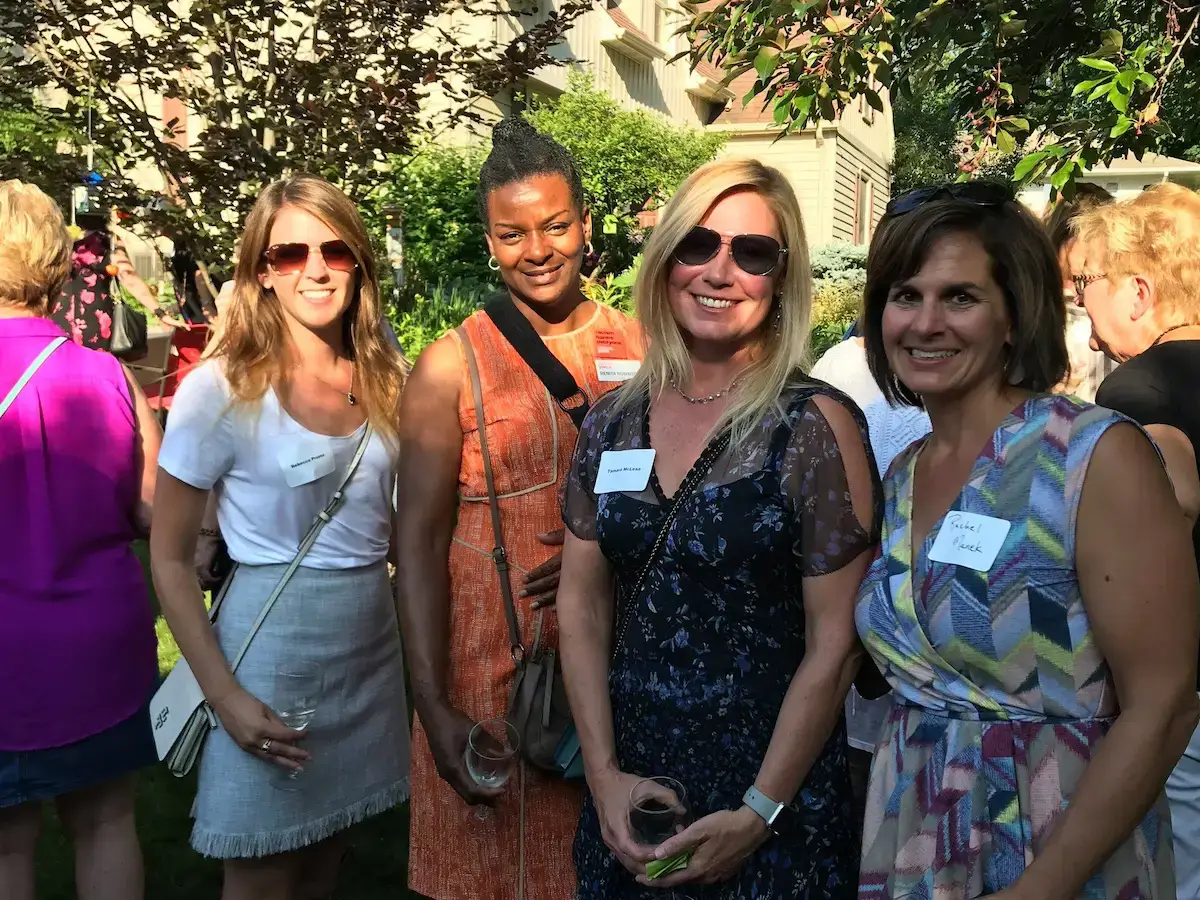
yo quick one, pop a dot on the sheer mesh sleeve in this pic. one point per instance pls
(815, 481)
(577, 499)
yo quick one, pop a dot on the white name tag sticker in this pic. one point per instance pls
(306, 461)
(624, 470)
(616, 369)
(968, 539)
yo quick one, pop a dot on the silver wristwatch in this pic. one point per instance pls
(766, 808)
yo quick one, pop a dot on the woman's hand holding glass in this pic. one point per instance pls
(251, 724)
(720, 844)
(611, 791)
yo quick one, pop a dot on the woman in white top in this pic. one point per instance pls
(300, 376)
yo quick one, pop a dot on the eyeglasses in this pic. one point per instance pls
(288, 259)
(972, 193)
(1081, 282)
(755, 254)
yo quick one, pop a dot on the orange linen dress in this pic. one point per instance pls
(454, 855)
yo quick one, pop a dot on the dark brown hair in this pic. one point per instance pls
(1060, 218)
(1024, 265)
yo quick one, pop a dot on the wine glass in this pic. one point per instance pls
(297, 691)
(657, 810)
(491, 755)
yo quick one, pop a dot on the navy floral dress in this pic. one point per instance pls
(717, 635)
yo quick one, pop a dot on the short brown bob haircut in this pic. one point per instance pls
(1024, 265)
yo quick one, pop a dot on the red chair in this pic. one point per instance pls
(187, 346)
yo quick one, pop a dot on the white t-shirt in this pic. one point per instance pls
(248, 454)
(892, 428)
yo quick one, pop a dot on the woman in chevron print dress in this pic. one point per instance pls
(1034, 602)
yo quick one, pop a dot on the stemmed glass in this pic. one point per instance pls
(297, 691)
(491, 754)
(657, 810)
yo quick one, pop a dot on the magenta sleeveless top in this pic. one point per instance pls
(76, 627)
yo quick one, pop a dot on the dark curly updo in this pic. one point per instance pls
(520, 151)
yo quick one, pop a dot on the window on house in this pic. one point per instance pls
(661, 31)
(864, 200)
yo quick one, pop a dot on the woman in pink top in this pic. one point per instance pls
(78, 457)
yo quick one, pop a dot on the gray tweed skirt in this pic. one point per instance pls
(345, 621)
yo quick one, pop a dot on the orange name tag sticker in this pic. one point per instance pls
(610, 345)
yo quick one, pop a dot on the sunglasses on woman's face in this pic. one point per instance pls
(755, 254)
(972, 193)
(288, 259)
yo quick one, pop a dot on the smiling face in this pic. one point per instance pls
(718, 302)
(538, 238)
(945, 328)
(317, 296)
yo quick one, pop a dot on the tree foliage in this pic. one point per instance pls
(1067, 83)
(275, 86)
(629, 160)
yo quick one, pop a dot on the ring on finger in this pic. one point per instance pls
(265, 747)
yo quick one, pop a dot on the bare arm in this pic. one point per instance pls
(1142, 595)
(832, 655)
(585, 635)
(427, 480)
(172, 552)
(1180, 458)
(149, 440)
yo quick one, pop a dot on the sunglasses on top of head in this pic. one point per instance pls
(288, 259)
(971, 193)
(755, 254)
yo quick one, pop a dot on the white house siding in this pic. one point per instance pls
(860, 177)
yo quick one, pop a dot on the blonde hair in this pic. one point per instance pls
(35, 249)
(1156, 233)
(253, 342)
(784, 349)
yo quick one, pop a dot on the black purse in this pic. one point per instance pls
(130, 333)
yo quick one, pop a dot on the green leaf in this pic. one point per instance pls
(1018, 124)
(1102, 88)
(837, 24)
(1119, 100)
(1102, 65)
(783, 107)
(803, 7)
(1012, 28)
(1005, 142)
(1126, 79)
(1062, 176)
(1085, 86)
(1124, 123)
(874, 100)
(765, 62)
(801, 108)
(1026, 165)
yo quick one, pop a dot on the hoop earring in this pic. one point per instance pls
(493, 264)
(589, 249)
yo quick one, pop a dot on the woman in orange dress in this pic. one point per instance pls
(452, 610)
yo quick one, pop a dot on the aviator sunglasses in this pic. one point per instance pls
(288, 259)
(755, 254)
(972, 193)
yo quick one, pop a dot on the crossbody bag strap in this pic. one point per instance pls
(29, 373)
(533, 350)
(499, 554)
(686, 488)
(323, 518)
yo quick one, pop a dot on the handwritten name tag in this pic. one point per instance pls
(306, 461)
(624, 470)
(968, 539)
(616, 369)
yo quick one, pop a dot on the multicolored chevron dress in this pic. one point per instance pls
(1001, 693)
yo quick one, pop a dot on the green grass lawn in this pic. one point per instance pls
(375, 869)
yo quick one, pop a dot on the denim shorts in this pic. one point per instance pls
(27, 776)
